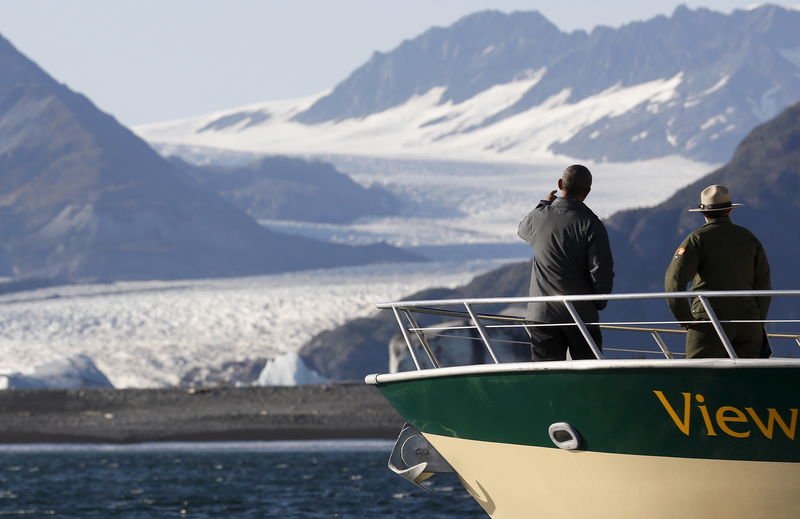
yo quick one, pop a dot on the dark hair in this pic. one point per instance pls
(713, 215)
(577, 179)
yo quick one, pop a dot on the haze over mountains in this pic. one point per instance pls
(286, 188)
(82, 197)
(497, 86)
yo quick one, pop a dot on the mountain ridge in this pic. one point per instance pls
(477, 32)
(497, 86)
(285, 188)
(83, 198)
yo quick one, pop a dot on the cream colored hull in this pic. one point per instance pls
(524, 482)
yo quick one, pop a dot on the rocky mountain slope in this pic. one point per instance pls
(284, 188)
(764, 174)
(82, 197)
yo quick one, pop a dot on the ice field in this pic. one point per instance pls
(147, 334)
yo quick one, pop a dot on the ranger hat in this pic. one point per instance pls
(715, 198)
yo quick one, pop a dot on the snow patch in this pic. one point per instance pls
(719, 84)
(654, 108)
(717, 119)
(672, 140)
(556, 120)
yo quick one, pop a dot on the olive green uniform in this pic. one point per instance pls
(721, 256)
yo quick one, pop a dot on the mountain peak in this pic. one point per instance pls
(17, 68)
(513, 87)
(82, 197)
(478, 19)
(478, 51)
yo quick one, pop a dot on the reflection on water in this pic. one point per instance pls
(282, 479)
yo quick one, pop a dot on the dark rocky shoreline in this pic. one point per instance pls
(330, 411)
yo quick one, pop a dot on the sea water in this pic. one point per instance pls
(337, 479)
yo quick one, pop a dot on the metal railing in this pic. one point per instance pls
(478, 321)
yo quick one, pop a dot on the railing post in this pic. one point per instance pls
(527, 330)
(407, 338)
(482, 333)
(583, 329)
(422, 340)
(717, 326)
(662, 345)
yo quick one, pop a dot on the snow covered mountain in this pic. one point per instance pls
(513, 87)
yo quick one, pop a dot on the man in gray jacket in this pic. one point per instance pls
(571, 255)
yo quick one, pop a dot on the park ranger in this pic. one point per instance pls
(720, 256)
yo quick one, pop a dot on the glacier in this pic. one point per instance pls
(423, 127)
(149, 333)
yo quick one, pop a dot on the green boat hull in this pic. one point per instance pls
(654, 429)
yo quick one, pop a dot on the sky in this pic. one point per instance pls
(154, 60)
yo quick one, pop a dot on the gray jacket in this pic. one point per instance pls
(571, 255)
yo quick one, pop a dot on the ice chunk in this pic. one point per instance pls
(288, 370)
(77, 371)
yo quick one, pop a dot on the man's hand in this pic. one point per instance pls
(551, 196)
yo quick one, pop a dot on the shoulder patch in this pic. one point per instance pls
(679, 253)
